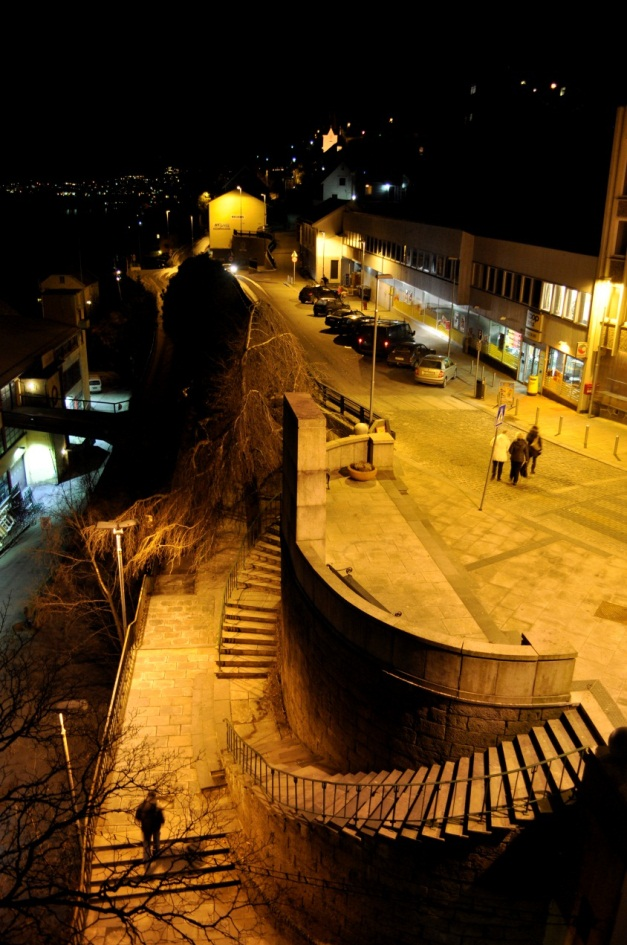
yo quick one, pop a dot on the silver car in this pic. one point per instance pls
(435, 369)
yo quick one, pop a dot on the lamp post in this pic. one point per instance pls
(241, 211)
(363, 272)
(379, 276)
(265, 211)
(117, 529)
(191, 221)
(323, 237)
(294, 261)
(167, 223)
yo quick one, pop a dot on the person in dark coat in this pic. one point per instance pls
(151, 819)
(534, 443)
(518, 454)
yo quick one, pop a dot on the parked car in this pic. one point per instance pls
(408, 353)
(345, 321)
(322, 307)
(435, 369)
(309, 293)
(390, 332)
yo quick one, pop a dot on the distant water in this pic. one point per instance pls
(41, 237)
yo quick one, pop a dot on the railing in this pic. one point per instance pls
(270, 513)
(317, 797)
(345, 405)
(64, 402)
(113, 725)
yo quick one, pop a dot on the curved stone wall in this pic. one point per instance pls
(368, 689)
(334, 890)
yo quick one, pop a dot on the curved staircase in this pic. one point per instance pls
(501, 788)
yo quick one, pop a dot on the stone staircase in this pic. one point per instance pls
(248, 638)
(499, 789)
(184, 866)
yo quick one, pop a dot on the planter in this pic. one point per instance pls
(361, 475)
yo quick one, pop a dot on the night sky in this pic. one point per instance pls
(124, 92)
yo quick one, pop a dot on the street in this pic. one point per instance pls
(550, 553)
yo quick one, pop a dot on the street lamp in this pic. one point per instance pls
(265, 211)
(323, 237)
(363, 272)
(191, 221)
(294, 261)
(379, 276)
(167, 223)
(117, 528)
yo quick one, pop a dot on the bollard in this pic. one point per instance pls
(559, 427)
(585, 439)
(537, 416)
(616, 442)
(516, 407)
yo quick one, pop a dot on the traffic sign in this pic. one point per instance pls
(500, 414)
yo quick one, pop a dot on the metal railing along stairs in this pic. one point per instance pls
(499, 789)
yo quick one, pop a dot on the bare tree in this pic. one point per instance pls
(62, 769)
(238, 446)
(46, 805)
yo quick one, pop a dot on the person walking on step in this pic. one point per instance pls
(151, 819)
(500, 453)
(518, 454)
(534, 442)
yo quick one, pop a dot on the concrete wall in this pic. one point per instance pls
(369, 690)
(339, 892)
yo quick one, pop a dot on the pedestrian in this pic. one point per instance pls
(534, 442)
(500, 452)
(151, 819)
(518, 454)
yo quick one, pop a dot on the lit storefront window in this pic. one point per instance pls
(563, 375)
(504, 345)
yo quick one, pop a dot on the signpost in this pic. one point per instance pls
(294, 261)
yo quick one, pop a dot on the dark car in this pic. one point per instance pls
(309, 293)
(408, 354)
(322, 307)
(390, 332)
(344, 321)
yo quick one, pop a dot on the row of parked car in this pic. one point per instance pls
(395, 337)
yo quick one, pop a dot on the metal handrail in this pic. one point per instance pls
(112, 728)
(354, 801)
(270, 513)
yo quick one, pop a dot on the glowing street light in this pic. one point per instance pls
(379, 276)
(323, 237)
(117, 529)
(167, 222)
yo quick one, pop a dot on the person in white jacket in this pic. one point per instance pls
(500, 453)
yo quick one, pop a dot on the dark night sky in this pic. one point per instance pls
(131, 92)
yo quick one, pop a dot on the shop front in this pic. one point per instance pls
(563, 376)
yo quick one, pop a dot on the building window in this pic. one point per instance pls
(547, 295)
